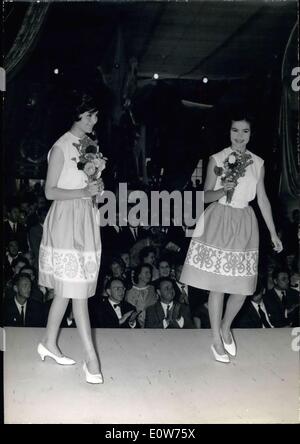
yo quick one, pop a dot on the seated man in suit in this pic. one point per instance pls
(12, 254)
(282, 300)
(12, 228)
(254, 313)
(22, 310)
(195, 298)
(112, 311)
(167, 313)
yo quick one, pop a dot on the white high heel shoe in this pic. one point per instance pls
(92, 378)
(230, 348)
(220, 358)
(62, 360)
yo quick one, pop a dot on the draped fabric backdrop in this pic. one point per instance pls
(26, 38)
(289, 115)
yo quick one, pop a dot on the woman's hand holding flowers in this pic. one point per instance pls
(228, 185)
(92, 189)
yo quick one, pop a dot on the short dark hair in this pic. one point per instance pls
(28, 267)
(19, 276)
(238, 116)
(19, 259)
(163, 279)
(110, 281)
(279, 270)
(81, 103)
(145, 252)
(117, 260)
(138, 270)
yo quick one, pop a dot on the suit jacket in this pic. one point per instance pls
(127, 239)
(103, 315)
(34, 316)
(20, 235)
(248, 317)
(155, 316)
(176, 235)
(196, 297)
(277, 311)
(111, 242)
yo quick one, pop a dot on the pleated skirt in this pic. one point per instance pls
(223, 252)
(70, 250)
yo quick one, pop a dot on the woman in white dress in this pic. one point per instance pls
(223, 253)
(70, 250)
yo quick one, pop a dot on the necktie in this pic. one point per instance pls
(284, 300)
(184, 294)
(168, 312)
(263, 317)
(116, 305)
(22, 315)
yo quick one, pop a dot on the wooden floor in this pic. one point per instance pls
(154, 376)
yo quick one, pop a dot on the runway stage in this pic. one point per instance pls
(154, 376)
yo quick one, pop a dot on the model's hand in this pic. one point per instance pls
(100, 185)
(92, 189)
(228, 185)
(277, 244)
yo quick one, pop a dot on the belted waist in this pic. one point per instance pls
(235, 204)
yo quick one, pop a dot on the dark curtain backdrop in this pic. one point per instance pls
(289, 121)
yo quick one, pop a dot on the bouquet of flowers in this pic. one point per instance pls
(233, 168)
(91, 161)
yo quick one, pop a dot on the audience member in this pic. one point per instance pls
(282, 300)
(142, 294)
(112, 311)
(23, 310)
(167, 313)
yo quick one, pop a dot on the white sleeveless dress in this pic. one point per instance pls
(70, 249)
(223, 252)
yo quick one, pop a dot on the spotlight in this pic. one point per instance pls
(205, 80)
(56, 71)
(155, 76)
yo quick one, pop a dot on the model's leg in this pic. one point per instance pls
(56, 313)
(82, 319)
(215, 309)
(233, 306)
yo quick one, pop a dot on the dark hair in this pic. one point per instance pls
(279, 270)
(164, 259)
(19, 259)
(13, 203)
(163, 279)
(260, 286)
(19, 276)
(238, 115)
(28, 267)
(110, 281)
(117, 260)
(79, 103)
(138, 270)
(145, 252)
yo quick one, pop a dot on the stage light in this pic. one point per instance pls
(56, 71)
(155, 76)
(205, 80)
